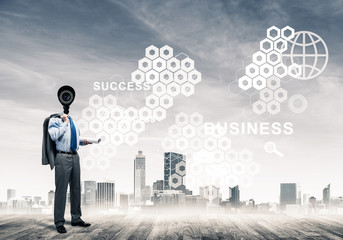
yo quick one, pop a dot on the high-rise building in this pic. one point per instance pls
(158, 185)
(326, 195)
(36, 200)
(288, 194)
(175, 172)
(234, 197)
(139, 178)
(105, 195)
(10, 193)
(89, 193)
(51, 197)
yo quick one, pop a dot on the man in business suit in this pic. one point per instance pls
(66, 135)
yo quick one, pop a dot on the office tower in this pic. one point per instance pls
(36, 200)
(105, 195)
(288, 194)
(51, 197)
(313, 202)
(175, 172)
(211, 193)
(89, 193)
(234, 196)
(326, 195)
(139, 178)
(10, 193)
(158, 185)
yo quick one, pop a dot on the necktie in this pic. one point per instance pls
(73, 139)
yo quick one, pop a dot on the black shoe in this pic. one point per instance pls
(81, 224)
(61, 229)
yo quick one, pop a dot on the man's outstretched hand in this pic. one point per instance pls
(85, 142)
(65, 118)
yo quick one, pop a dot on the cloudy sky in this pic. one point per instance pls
(47, 44)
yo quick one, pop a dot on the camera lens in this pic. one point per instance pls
(66, 97)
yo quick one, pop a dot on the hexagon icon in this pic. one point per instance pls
(145, 114)
(294, 70)
(259, 107)
(273, 107)
(166, 101)
(159, 89)
(196, 144)
(159, 64)
(273, 58)
(131, 138)
(187, 64)
(273, 33)
(252, 168)
(180, 168)
(280, 45)
(95, 151)
(231, 156)
(182, 143)
(245, 156)
(95, 126)
(166, 52)
(238, 168)
(117, 113)
(280, 70)
(173, 64)
(159, 113)
(180, 77)
(110, 151)
(152, 101)
(174, 131)
(259, 83)
(194, 77)
(181, 119)
(88, 163)
(273, 82)
(145, 64)
(210, 143)
(110, 126)
(88, 113)
(138, 76)
(138, 126)
(196, 119)
(259, 58)
(266, 70)
(187, 89)
(102, 113)
(252, 70)
(266, 45)
(131, 113)
(110, 101)
(287, 33)
(124, 125)
(166, 77)
(117, 138)
(218, 156)
(104, 136)
(173, 89)
(103, 163)
(83, 125)
(95, 101)
(151, 52)
(245, 83)
(280, 95)
(167, 144)
(152, 77)
(266, 95)
(201, 132)
(176, 180)
(189, 131)
(224, 143)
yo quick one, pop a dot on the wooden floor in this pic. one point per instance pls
(176, 227)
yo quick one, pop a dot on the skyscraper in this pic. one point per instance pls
(326, 195)
(158, 185)
(10, 193)
(175, 172)
(89, 193)
(288, 194)
(51, 197)
(105, 195)
(139, 178)
(234, 197)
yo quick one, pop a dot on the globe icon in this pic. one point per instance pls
(309, 52)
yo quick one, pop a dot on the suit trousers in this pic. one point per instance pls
(67, 171)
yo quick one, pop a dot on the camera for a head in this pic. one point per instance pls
(66, 96)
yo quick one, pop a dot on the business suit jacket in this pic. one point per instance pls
(48, 145)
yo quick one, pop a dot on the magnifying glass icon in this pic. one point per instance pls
(270, 147)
